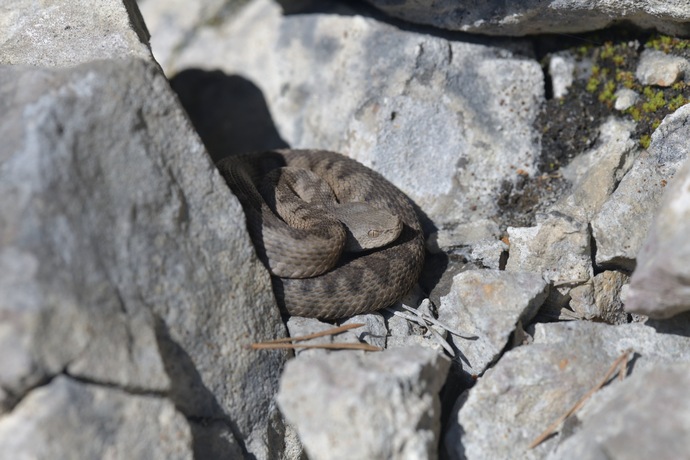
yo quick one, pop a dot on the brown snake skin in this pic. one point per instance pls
(358, 283)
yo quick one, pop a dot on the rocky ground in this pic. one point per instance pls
(544, 145)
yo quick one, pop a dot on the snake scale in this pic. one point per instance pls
(347, 283)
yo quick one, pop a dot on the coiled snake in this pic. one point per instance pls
(301, 244)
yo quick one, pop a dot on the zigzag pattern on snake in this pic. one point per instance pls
(359, 282)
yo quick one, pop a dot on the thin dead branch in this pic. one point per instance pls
(285, 343)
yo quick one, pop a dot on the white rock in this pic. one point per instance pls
(558, 248)
(488, 304)
(561, 70)
(66, 33)
(648, 417)
(533, 385)
(625, 98)
(348, 405)
(660, 285)
(660, 69)
(125, 257)
(444, 120)
(622, 223)
(67, 419)
(597, 172)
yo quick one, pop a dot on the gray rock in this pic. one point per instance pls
(373, 332)
(533, 385)
(125, 257)
(489, 253)
(660, 285)
(601, 298)
(648, 417)
(369, 89)
(660, 69)
(73, 32)
(538, 17)
(625, 98)
(558, 248)
(596, 173)
(79, 420)
(623, 221)
(348, 405)
(488, 304)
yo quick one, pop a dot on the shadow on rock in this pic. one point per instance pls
(677, 325)
(212, 432)
(229, 112)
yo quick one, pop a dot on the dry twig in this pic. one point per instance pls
(284, 343)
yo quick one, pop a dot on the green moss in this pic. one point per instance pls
(607, 93)
(645, 140)
(655, 100)
(625, 78)
(592, 84)
(613, 67)
(607, 51)
(667, 44)
(677, 102)
(634, 112)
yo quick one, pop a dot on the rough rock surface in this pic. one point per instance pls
(660, 69)
(530, 17)
(660, 286)
(120, 246)
(79, 420)
(558, 248)
(534, 385)
(648, 417)
(380, 405)
(600, 299)
(130, 289)
(623, 221)
(66, 33)
(366, 88)
(488, 304)
(597, 172)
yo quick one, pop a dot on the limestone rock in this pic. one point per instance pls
(660, 285)
(371, 90)
(538, 17)
(66, 33)
(558, 248)
(623, 221)
(68, 419)
(660, 69)
(488, 304)
(125, 259)
(596, 173)
(532, 385)
(625, 98)
(648, 417)
(348, 405)
(601, 298)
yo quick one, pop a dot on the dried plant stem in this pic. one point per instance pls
(331, 346)
(622, 359)
(332, 331)
(284, 343)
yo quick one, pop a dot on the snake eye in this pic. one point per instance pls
(374, 233)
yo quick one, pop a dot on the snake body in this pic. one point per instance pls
(344, 284)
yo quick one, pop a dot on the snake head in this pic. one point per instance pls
(367, 227)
